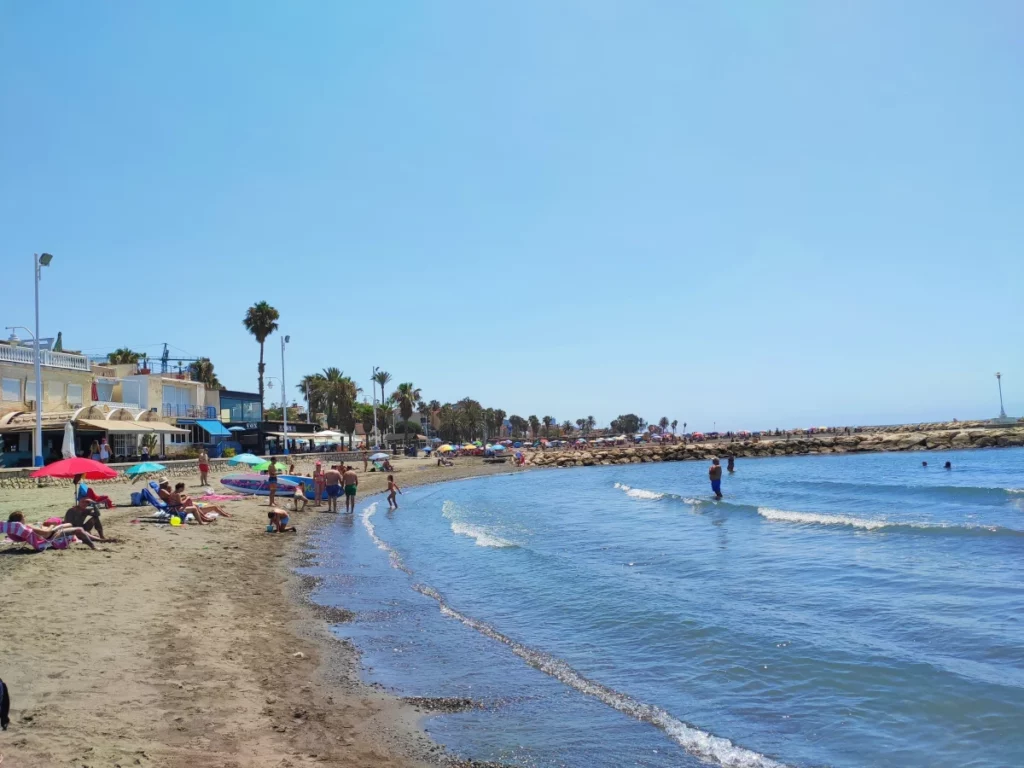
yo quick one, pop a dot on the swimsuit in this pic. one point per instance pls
(350, 490)
(284, 521)
(333, 491)
(716, 486)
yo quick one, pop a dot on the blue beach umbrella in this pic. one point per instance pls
(144, 468)
(245, 458)
(497, 447)
(379, 457)
(517, 445)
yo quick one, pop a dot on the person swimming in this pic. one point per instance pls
(948, 465)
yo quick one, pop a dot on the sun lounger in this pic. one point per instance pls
(19, 533)
(161, 506)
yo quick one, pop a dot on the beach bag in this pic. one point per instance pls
(5, 706)
(138, 499)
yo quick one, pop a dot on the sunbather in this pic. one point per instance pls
(84, 491)
(49, 532)
(84, 515)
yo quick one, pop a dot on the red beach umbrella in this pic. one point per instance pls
(92, 470)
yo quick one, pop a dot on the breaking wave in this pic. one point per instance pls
(483, 537)
(868, 524)
(703, 745)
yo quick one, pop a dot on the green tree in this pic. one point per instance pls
(364, 413)
(123, 356)
(534, 426)
(518, 424)
(382, 378)
(675, 423)
(567, 428)
(663, 423)
(261, 321)
(591, 423)
(499, 421)
(548, 421)
(627, 424)
(406, 396)
(202, 370)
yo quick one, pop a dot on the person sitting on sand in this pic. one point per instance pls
(83, 490)
(300, 495)
(48, 532)
(84, 515)
(188, 501)
(392, 489)
(279, 522)
(387, 466)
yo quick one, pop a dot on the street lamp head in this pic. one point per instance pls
(287, 339)
(45, 259)
(13, 340)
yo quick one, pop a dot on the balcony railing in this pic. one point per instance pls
(171, 410)
(48, 359)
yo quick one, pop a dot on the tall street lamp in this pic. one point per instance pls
(373, 389)
(284, 394)
(999, 381)
(39, 260)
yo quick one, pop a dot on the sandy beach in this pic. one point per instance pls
(191, 646)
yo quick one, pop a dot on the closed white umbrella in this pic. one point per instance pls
(67, 448)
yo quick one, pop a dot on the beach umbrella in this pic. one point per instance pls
(436, 440)
(245, 458)
(67, 448)
(498, 448)
(236, 429)
(91, 470)
(517, 445)
(266, 465)
(379, 457)
(445, 448)
(144, 468)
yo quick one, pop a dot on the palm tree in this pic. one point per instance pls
(311, 387)
(675, 423)
(202, 370)
(548, 421)
(591, 423)
(382, 378)
(499, 421)
(406, 396)
(663, 423)
(123, 356)
(364, 412)
(261, 321)
(581, 424)
(566, 427)
(534, 426)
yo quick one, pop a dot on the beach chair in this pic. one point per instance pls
(163, 510)
(19, 533)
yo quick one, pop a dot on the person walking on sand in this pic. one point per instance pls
(272, 479)
(715, 474)
(392, 489)
(332, 487)
(351, 482)
(204, 465)
(366, 460)
(731, 464)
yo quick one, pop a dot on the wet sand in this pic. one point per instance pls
(191, 646)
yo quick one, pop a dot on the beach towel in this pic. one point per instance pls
(19, 533)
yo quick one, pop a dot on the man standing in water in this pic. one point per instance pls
(715, 473)
(731, 465)
(351, 482)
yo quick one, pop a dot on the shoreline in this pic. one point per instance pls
(196, 646)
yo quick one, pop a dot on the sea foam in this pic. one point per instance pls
(639, 493)
(480, 534)
(703, 745)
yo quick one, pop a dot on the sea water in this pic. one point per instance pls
(830, 610)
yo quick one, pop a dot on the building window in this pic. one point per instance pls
(12, 390)
(53, 390)
(176, 438)
(123, 445)
(30, 391)
(74, 395)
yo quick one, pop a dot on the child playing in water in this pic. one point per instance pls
(392, 488)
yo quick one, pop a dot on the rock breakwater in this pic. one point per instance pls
(935, 440)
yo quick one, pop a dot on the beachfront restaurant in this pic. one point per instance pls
(267, 437)
(122, 431)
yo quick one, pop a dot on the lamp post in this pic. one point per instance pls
(999, 382)
(39, 261)
(375, 430)
(284, 394)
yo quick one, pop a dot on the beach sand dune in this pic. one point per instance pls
(189, 646)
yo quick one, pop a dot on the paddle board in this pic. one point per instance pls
(257, 484)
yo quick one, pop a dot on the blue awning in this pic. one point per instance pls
(213, 427)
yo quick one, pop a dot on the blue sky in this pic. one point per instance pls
(742, 214)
